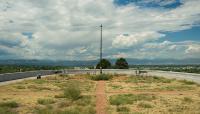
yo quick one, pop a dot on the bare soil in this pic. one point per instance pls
(101, 101)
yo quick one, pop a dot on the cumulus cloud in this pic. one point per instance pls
(64, 29)
(126, 41)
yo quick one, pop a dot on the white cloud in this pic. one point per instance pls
(126, 41)
(65, 29)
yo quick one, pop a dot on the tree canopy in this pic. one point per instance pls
(121, 63)
(104, 63)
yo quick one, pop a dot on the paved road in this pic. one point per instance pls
(21, 75)
(167, 74)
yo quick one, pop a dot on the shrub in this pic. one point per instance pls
(101, 77)
(10, 104)
(45, 101)
(122, 109)
(72, 92)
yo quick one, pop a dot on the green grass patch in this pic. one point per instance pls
(187, 82)
(40, 81)
(45, 101)
(117, 87)
(130, 98)
(148, 79)
(20, 87)
(176, 88)
(9, 104)
(101, 77)
(71, 110)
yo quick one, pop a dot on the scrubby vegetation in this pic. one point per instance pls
(123, 99)
(45, 101)
(101, 77)
(72, 92)
(7, 107)
(75, 94)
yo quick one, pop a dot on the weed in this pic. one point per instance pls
(41, 81)
(117, 87)
(59, 96)
(101, 77)
(187, 99)
(38, 87)
(64, 104)
(5, 110)
(187, 82)
(145, 105)
(45, 101)
(84, 101)
(20, 87)
(72, 92)
(122, 109)
(10, 104)
(148, 79)
(130, 98)
(177, 88)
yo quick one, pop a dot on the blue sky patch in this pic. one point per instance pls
(190, 34)
(28, 34)
(150, 3)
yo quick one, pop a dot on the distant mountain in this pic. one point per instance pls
(94, 62)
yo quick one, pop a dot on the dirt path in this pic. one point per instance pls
(101, 101)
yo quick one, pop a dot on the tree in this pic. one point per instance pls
(121, 63)
(104, 63)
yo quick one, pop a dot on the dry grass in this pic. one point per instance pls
(46, 96)
(125, 95)
(170, 96)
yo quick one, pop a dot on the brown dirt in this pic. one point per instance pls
(101, 101)
(151, 92)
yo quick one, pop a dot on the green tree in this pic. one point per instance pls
(121, 63)
(104, 63)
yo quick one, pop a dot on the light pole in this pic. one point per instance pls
(101, 51)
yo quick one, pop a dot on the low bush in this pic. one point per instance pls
(45, 101)
(101, 77)
(72, 92)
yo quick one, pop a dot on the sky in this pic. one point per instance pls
(70, 29)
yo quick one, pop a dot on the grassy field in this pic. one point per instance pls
(63, 94)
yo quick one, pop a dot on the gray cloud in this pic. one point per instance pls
(64, 29)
